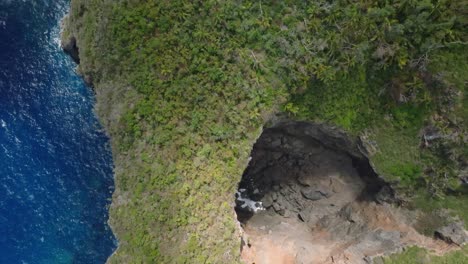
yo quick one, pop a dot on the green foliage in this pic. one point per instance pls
(456, 203)
(409, 116)
(408, 173)
(348, 101)
(415, 255)
(196, 80)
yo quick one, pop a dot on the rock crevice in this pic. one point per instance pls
(314, 198)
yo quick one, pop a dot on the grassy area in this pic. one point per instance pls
(184, 88)
(416, 255)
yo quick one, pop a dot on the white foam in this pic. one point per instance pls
(3, 123)
(253, 205)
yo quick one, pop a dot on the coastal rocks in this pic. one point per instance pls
(321, 200)
(71, 46)
(307, 179)
(72, 50)
(290, 173)
(453, 233)
(68, 41)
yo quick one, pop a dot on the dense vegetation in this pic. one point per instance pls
(184, 88)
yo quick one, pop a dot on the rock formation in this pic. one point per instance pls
(323, 202)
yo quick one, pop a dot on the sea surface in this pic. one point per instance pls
(56, 177)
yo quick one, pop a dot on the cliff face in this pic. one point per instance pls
(184, 89)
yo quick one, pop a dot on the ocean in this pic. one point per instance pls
(56, 170)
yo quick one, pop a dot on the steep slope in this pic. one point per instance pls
(185, 87)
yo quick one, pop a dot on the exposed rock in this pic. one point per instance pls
(304, 178)
(70, 47)
(320, 195)
(312, 194)
(378, 260)
(282, 212)
(267, 201)
(276, 207)
(350, 215)
(453, 233)
(385, 195)
(274, 196)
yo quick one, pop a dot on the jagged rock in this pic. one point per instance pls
(385, 195)
(276, 207)
(70, 47)
(368, 260)
(331, 194)
(302, 216)
(350, 215)
(304, 180)
(286, 191)
(312, 194)
(453, 233)
(325, 192)
(274, 196)
(267, 201)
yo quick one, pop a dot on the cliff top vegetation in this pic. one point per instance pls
(184, 88)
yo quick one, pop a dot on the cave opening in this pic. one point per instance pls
(303, 180)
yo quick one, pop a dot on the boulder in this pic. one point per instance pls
(453, 233)
(267, 201)
(276, 207)
(70, 47)
(385, 195)
(304, 179)
(312, 194)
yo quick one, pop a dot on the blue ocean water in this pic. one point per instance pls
(55, 161)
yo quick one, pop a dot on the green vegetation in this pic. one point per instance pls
(184, 88)
(416, 255)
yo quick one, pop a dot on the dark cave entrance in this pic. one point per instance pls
(297, 164)
(304, 172)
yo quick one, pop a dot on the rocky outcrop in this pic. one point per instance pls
(70, 47)
(321, 201)
(296, 163)
(453, 233)
(68, 41)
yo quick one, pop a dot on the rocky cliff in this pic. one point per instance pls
(184, 89)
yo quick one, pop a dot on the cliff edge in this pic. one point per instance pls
(185, 88)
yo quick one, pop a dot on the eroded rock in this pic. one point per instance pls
(322, 199)
(312, 194)
(453, 233)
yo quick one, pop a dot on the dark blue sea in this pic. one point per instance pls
(56, 176)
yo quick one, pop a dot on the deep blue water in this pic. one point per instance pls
(55, 161)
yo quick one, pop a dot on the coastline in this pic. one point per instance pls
(180, 186)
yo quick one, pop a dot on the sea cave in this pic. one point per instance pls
(308, 194)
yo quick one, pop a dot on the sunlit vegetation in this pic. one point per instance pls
(186, 86)
(416, 255)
